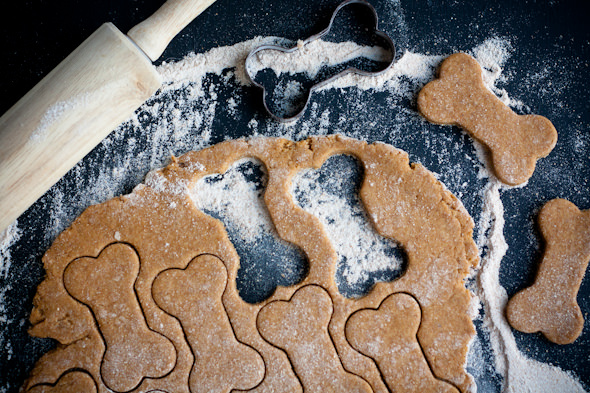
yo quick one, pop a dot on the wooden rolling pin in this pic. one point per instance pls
(80, 102)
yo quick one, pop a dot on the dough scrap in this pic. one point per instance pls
(549, 306)
(315, 360)
(388, 335)
(459, 97)
(164, 228)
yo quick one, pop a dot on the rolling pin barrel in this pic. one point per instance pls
(70, 111)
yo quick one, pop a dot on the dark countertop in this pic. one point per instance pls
(549, 38)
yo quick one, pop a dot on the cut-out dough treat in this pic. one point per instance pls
(549, 306)
(141, 290)
(108, 291)
(314, 358)
(194, 297)
(388, 335)
(459, 97)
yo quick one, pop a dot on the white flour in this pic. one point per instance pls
(54, 113)
(360, 249)
(7, 238)
(309, 59)
(174, 126)
(222, 197)
(521, 374)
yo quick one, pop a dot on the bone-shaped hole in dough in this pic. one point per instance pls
(331, 193)
(106, 285)
(300, 327)
(236, 198)
(193, 296)
(351, 42)
(388, 335)
(459, 97)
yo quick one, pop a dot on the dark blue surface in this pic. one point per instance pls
(549, 38)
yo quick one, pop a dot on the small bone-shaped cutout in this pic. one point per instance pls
(549, 305)
(388, 335)
(460, 97)
(193, 296)
(132, 349)
(70, 382)
(300, 327)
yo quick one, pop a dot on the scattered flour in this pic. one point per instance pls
(311, 58)
(54, 113)
(521, 374)
(416, 67)
(174, 126)
(361, 250)
(491, 56)
(195, 66)
(237, 200)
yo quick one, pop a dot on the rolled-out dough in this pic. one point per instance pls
(159, 227)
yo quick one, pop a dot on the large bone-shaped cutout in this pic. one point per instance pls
(388, 335)
(300, 328)
(549, 305)
(193, 296)
(105, 284)
(70, 382)
(459, 97)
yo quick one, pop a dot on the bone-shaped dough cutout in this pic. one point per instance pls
(388, 336)
(300, 328)
(193, 296)
(460, 97)
(133, 350)
(69, 382)
(549, 305)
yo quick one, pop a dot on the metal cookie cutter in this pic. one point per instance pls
(317, 36)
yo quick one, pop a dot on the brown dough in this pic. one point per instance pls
(388, 335)
(314, 358)
(132, 349)
(459, 97)
(549, 305)
(159, 220)
(70, 382)
(194, 297)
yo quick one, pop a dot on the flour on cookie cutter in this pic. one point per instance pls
(301, 44)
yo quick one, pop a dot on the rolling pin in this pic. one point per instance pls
(72, 109)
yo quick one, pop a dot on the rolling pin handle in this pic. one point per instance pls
(155, 33)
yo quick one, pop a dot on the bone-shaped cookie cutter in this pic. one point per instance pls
(317, 36)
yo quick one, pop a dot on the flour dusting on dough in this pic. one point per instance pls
(181, 118)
